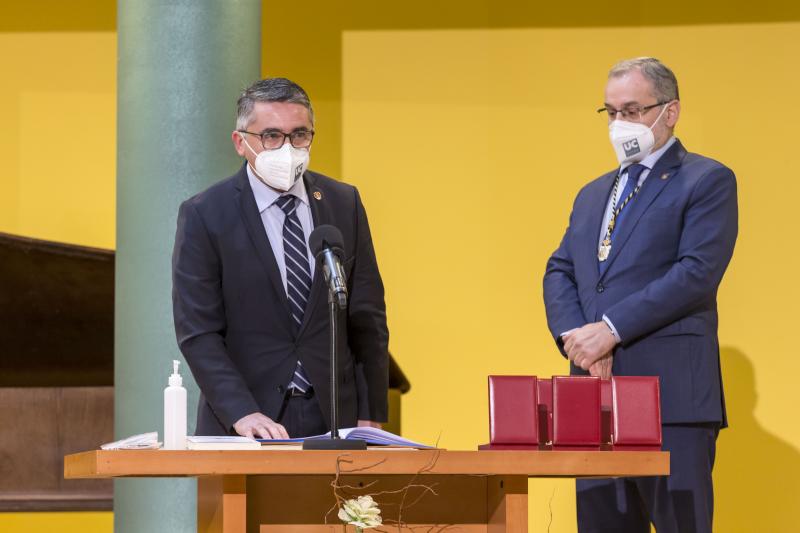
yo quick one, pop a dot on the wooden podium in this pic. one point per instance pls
(277, 491)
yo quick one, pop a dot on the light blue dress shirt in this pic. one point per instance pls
(273, 217)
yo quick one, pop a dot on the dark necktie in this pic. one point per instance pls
(634, 172)
(621, 206)
(298, 276)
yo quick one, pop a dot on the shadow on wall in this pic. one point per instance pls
(756, 473)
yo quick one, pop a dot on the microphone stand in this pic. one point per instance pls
(335, 301)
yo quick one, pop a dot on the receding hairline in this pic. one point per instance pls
(258, 103)
(663, 82)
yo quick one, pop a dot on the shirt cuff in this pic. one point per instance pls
(612, 328)
(567, 332)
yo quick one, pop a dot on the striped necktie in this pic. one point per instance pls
(298, 276)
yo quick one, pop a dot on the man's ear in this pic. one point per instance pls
(238, 143)
(673, 113)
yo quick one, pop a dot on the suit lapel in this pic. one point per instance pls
(656, 180)
(258, 236)
(320, 213)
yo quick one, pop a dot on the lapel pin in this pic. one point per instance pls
(317, 195)
(664, 176)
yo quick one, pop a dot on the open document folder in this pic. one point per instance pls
(373, 436)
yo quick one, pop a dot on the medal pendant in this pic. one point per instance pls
(602, 253)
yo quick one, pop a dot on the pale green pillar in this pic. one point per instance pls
(181, 66)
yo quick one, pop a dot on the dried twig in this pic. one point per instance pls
(341, 490)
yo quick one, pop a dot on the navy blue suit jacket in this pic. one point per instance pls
(232, 316)
(660, 285)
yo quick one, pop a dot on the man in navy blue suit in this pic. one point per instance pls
(632, 288)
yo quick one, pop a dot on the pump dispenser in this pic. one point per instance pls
(175, 411)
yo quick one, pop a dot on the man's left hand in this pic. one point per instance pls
(369, 424)
(586, 345)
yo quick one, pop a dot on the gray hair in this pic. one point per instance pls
(665, 85)
(270, 90)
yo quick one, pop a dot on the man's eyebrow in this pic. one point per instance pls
(274, 130)
(626, 104)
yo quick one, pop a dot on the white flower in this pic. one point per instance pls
(363, 512)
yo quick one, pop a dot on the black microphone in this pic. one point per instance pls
(327, 245)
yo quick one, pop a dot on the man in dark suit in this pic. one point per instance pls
(250, 305)
(632, 290)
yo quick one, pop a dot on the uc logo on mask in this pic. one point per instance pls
(631, 147)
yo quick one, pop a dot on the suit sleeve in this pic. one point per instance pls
(200, 323)
(366, 325)
(561, 301)
(706, 247)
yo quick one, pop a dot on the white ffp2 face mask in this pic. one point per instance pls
(280, 168)
(632, 141)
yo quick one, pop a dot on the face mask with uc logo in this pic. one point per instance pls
(282, 167)
(632, 141)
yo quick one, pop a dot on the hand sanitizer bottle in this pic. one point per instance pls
(175, 412)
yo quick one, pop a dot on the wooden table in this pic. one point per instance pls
(290, 491)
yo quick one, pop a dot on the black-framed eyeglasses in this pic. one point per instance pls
(274, 139)
(632, 112)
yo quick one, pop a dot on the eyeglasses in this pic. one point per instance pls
(274, 139)
(631, 113)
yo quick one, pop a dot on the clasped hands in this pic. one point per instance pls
(591, 348)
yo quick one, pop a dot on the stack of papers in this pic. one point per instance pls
(371, 435)
(144, 441)
(201, 442)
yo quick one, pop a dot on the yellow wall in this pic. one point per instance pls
(58, 140)
(79, 522)
(468, 131)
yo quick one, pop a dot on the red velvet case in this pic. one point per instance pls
(576, 412)
(637, 412)
(606, 410)
(544, 394)
(512, 410)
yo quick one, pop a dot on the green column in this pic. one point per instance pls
(181, 66)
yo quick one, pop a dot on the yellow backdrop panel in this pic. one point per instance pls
(469, 147)
(58, 140)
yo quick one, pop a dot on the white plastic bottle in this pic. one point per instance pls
(175, 412)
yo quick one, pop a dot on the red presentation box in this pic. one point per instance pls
(636, 412)
(544, 393)
(512, 410)
(606, 412)
(576, 412)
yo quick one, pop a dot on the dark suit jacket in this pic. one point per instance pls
(232, 315)
(660, 286)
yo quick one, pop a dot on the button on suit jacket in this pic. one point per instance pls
(660, 285)
(232, 317)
